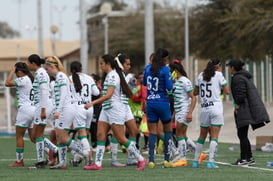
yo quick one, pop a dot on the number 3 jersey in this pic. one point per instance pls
(89, 88)
(209, 92)
(157, 86)
(24, 91)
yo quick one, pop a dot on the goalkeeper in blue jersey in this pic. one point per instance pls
(157, 79)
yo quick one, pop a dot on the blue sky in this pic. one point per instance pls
(22, 15)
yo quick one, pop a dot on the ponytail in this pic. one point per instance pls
(74, 68)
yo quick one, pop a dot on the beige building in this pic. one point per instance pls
(12, 50)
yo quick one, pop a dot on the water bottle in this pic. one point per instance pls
(269, 164)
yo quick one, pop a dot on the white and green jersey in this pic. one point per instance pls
(112, 80)
(41, 78)
(24, 91)
(62, 93)
(89, 88)
(181, 89)
(209, 92)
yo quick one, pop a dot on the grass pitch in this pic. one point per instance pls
(225, 156)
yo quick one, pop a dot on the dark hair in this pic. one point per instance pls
(74, 68)
(158, 60)
(122, 58)
(108, 59)
(179, 67)
(36, 59)
(20, 66)
(210, 69)
(96, 77)
(139, 74)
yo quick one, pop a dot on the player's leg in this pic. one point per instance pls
(20, 132)
(118, 131)
(103, 128)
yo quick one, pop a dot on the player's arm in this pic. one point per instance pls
(193, 102)
(196, 91)
(9, 82)
(226, 89)
(109, 94)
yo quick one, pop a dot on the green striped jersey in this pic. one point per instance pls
(40, 77)
(181, 89)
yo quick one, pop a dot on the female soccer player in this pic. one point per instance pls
(208, 86)
(158, 81)
(43, 105)
(115, 92)
(84, 88)
(25, 115)
(131, 126)
(64, 112)
(184, 103)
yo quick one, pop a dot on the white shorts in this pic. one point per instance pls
(115, 115)
(212, 115)
(181, 116)
(83, 117)
(25, 116)
(66, 117)
(129, 115)
(37, 116)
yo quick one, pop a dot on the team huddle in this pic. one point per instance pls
(170, 97)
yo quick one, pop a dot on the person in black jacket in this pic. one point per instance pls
(249, 108)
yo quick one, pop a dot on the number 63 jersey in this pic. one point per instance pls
(209, 92)
(159, 85)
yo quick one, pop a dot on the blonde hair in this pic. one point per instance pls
(57, 62)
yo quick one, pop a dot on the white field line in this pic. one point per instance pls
(245, 166)
(158, 163)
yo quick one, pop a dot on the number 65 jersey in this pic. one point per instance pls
(209, 92)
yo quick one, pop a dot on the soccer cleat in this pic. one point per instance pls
(180, 163)
(202, 157)
(74, 163)
(212, 165)
(123, 148)
(17, 164)
(52, 157)
(141, 164)
(251, 161)
(268, 147)
(117, 164)
(51, 162)
(167, 164)
(160, 148)
(131, 161)
(241, 162)
(41, 164)
(151, 164)
(60, 166)
(195, 164)
(175, 156)
(92, 166)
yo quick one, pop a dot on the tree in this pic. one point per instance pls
(227, 28)
(6, 31)
(126, 34)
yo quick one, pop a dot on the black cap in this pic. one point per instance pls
(235, 63)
